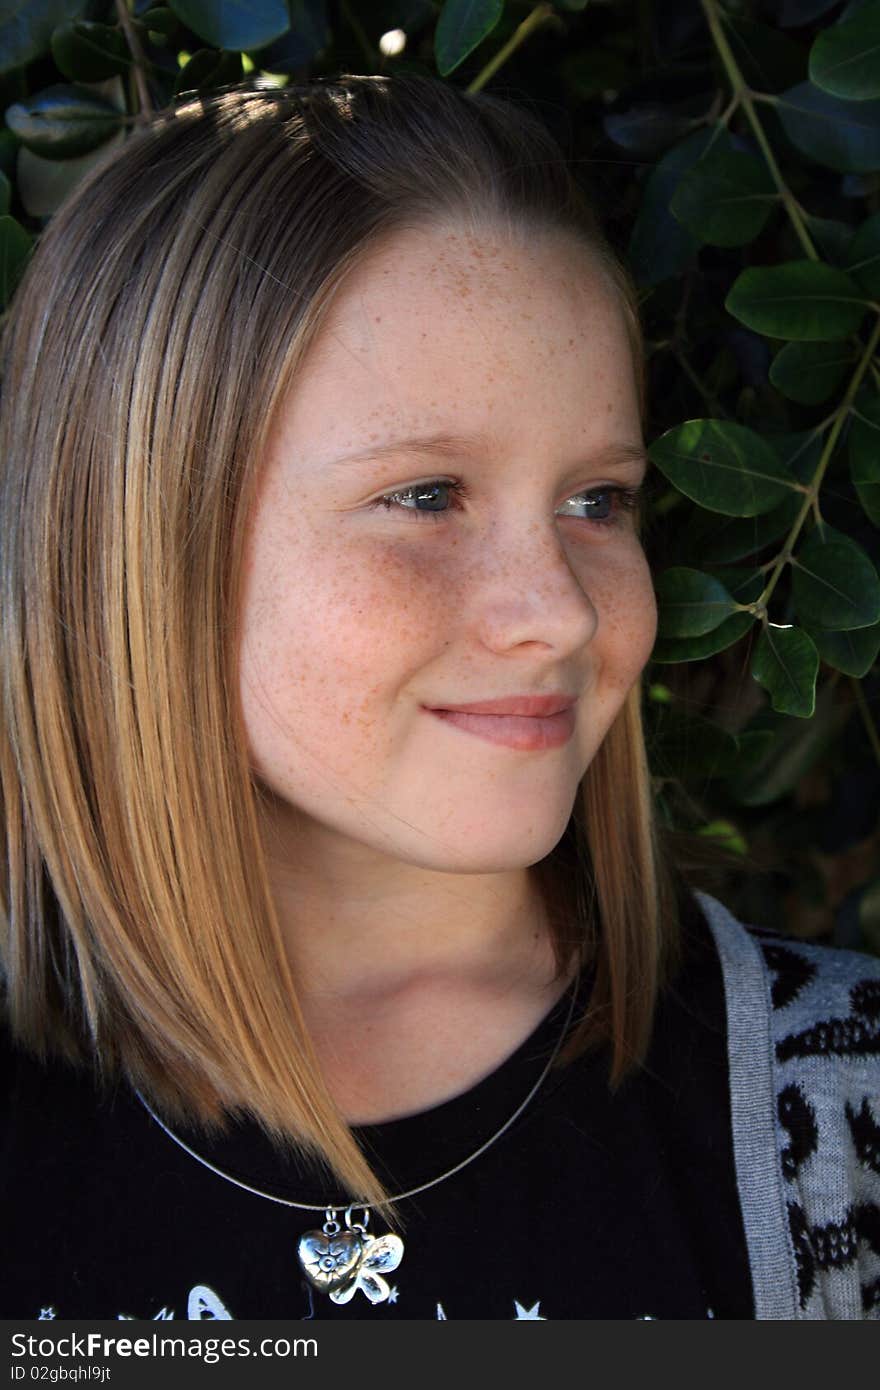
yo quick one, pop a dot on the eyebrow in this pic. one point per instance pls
(447, 446)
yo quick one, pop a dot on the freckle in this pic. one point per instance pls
(377, 319)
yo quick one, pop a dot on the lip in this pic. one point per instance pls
(527, 706)
(527, 733)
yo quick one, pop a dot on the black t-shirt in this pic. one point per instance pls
(593, 1204)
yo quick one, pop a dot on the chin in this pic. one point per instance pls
(494, 853)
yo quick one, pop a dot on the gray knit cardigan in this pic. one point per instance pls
(803, 1026)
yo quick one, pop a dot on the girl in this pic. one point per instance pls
(347, 973)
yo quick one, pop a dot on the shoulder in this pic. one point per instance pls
(45, 1092)
(809, 1012)
(820, 1000)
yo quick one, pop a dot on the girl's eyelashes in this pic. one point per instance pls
(621, 500)
(422, 492)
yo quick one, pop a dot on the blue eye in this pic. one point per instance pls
(621, 500)
(422, 492)
(626, 500)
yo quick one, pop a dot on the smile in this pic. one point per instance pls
(526, 733)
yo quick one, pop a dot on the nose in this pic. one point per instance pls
(528, 591)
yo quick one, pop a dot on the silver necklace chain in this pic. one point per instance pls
(399, 1196)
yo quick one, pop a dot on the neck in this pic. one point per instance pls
(414, 984)
(483, 932)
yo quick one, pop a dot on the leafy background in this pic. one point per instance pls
(734, 153)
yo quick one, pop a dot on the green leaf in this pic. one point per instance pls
(309, 35)
(724, 540)
(800, 452)
(845, 58)
(691, 603)
(648, 127)
(834, 584)
(26, 27)
(5, 194)
(726, 833)
(160, 20)
(722, 466)
(43, 184)
(811, 372)
(668, 651)
(794, 747)
(786, 663)
(843, 135)
(15, 247)
(725, 199)
(743, 585)
(462, 26)
(63, 121)
(853, 652)
(743, 582)
(864, 454)
(659, 694)
(236, 25)
(863, 262)
(87, 52)
(768, 60)
(833, 239)
(803, 300)
(660, 247)
(207, 69)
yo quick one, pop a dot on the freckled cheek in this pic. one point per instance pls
(388, 595)
(622, 592)
(345, 617)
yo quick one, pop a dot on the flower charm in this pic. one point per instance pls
(380, 1255)
(328, 1258)
(339, 1262)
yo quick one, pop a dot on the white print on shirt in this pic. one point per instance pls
(163, 1315)
(521, 1313)
(204, 1304)
(528, 1314)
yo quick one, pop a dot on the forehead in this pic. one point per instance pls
(439, 323)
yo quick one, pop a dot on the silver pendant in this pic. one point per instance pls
(339, 1262)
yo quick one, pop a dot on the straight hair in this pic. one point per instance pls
(161, 321)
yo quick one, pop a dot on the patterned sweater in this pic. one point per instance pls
(804, 1053)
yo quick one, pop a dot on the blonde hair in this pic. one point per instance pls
(164, 314)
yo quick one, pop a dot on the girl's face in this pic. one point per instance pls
(511, 364)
